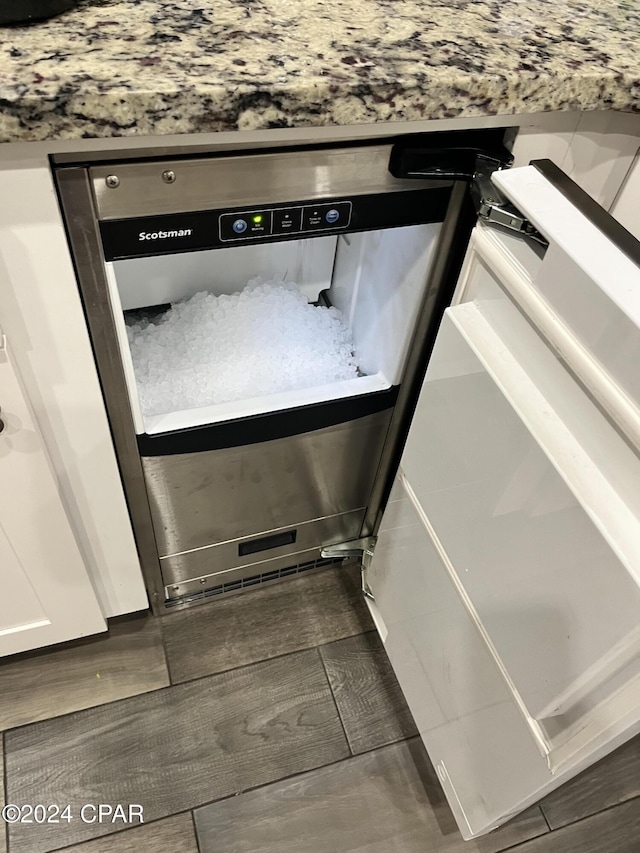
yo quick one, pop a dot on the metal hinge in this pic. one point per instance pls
(492, 206)
(361, 548)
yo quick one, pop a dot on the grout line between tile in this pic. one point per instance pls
(288, 778)
(592, 814)
(291, 776)
(350, 637)
(164, 649)
(546, 820)
(554, 832)
(195, 831)
(294, 776)
(519, 844)
(335, 701)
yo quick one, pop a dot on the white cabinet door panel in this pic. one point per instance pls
(460, 702)
(46, 593)
(551, 592)
(506, 576)
(21, 607)
(590, 292)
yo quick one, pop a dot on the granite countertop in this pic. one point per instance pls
(124, 67)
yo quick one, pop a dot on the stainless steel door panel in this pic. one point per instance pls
(222, 563)
(200, 499)
(245, 179)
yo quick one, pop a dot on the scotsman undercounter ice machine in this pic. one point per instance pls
(239, 467)
(262, 323)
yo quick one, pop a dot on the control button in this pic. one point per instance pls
(287, 220)
(245, 225)
(325, 216)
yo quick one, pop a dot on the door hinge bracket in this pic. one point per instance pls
(361, 548)
(492, 206)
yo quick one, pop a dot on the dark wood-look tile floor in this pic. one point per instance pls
(282, 729)
(282, 618)
(127, 661)
(173, 835)
(371, 705)
(616, 830)
(606, 784)
(174, 749)
(385, 801)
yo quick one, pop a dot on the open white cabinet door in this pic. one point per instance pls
(506, 575)
(47, 596)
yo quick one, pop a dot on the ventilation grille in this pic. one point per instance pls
(241, 584)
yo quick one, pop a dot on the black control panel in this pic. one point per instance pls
(256, 224)
(169, 233)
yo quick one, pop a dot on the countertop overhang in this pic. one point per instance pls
(114, 68)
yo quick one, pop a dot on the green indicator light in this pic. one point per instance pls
(257, 220)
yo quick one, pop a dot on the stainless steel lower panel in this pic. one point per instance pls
(206, 567)
(202, 499)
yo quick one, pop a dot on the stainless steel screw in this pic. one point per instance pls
(112, 181)
(203, 580)
(168, 176)
(176, 589)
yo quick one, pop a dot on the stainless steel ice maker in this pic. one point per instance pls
(219, 501)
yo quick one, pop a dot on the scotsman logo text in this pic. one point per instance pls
(164, 235)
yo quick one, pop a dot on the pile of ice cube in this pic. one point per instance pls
(214, 349)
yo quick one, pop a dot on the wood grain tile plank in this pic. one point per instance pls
(277, 619)
(614, 831)
(127, 661)
(176, 748)
(373, 710)
(386, 800)
(171, 835)
(611, 781)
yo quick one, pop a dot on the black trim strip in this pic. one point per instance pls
(267, 427)
(595, 213)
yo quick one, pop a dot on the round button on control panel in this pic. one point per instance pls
(332, 216)
(240, 226)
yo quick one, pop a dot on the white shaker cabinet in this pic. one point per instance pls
(47, 596)
(41, 314)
